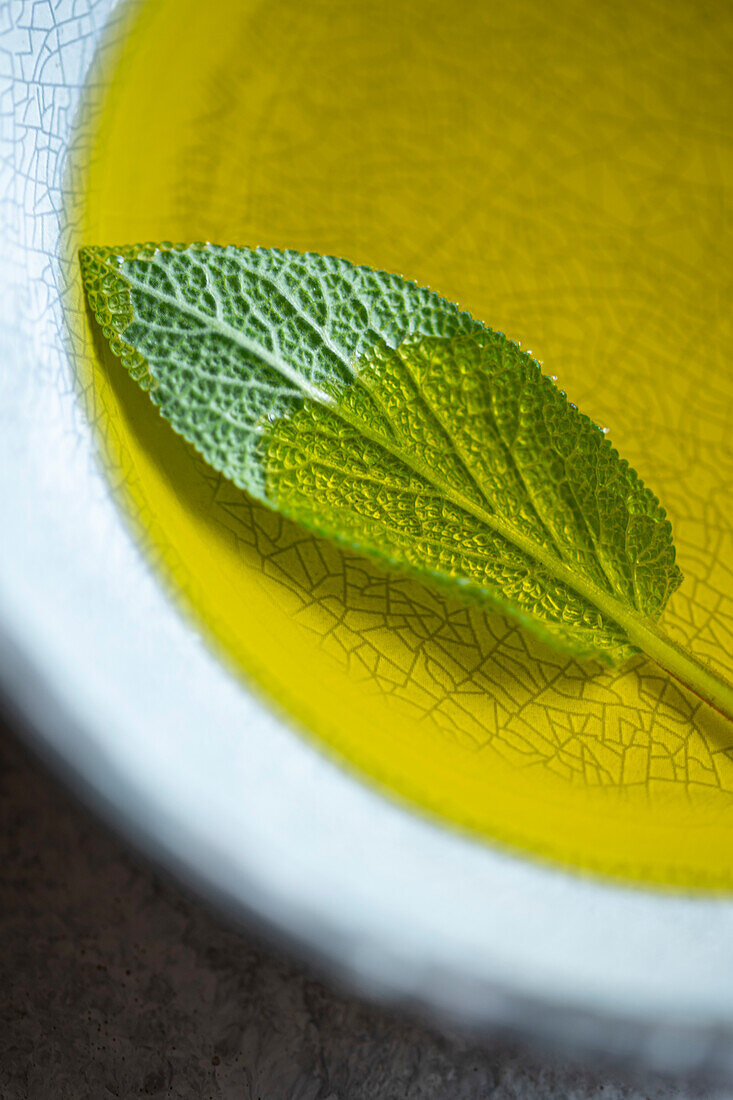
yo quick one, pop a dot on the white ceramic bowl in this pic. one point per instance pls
(121, 692)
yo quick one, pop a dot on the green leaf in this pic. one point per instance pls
(378, 414)
(225, 338)
(459, 461)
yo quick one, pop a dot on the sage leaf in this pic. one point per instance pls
(376, 413)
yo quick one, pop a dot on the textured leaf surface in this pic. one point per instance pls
(376, 413)
(225, 337)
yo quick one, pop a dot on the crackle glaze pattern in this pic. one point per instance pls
(120, 685)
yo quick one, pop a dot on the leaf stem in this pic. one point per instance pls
(688, 670)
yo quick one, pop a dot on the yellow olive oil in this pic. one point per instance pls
(561, 171)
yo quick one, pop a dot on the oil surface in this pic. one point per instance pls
(558, 170)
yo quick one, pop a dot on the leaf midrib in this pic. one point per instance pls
(236, 337)
(603, 601)
(596, 596)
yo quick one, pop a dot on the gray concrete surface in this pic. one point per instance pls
(115, 984)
